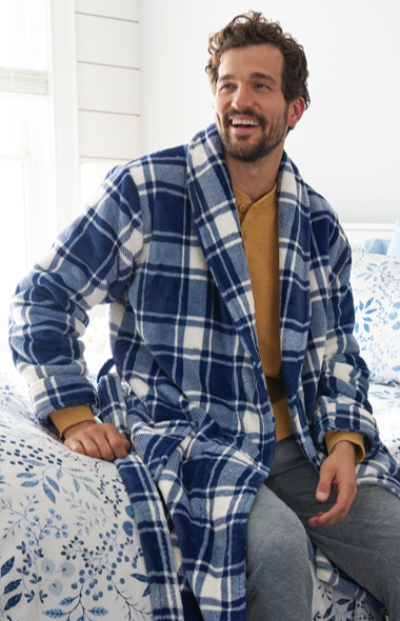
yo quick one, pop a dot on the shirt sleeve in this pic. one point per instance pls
(333, 437)
(63, 419)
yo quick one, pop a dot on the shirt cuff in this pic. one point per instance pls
(67, 417)
(333, 437)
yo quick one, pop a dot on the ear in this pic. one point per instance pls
(295, 112)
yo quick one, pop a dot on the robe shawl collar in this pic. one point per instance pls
(216, 220)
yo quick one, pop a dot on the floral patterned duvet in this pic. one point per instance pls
(69, 545)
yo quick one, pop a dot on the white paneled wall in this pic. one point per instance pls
(109, 136)
(122, 92)
(107, 46)
(107, 41)
(118, 9)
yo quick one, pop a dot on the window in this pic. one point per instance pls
(27, 192)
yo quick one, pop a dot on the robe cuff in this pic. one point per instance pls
(333, 437)
(67, 417)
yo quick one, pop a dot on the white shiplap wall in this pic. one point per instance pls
(107, 43)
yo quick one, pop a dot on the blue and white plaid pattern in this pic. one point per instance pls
(161, 242)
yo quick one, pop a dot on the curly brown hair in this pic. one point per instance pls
(253, 29)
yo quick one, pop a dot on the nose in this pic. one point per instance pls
(243, 98)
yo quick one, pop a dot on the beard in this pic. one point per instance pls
(271, 137)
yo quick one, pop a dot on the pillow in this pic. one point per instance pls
(373, 244)
(394, 246)
(375, 281)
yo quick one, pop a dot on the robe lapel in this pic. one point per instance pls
(218, 229)
(294, 266)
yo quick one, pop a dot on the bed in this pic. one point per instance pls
(69, 545)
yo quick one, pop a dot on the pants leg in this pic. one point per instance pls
(366, 545)
(279, 582)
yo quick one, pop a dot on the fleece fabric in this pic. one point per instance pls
(161, 243)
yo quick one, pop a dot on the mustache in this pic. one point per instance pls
(230, 114)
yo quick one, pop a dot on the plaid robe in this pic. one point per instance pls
(161, 243)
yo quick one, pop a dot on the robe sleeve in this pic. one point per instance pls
(91, 262)
(342, 397)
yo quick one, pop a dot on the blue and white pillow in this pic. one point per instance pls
(375, 281)
(373, 244)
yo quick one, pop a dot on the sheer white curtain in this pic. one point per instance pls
(27, 191)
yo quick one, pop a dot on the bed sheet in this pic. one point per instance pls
(70, 547)
(385, 401)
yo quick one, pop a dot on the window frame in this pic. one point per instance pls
(63, 90)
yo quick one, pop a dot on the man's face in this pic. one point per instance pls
(251, 111)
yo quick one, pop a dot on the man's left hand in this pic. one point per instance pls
(338, 470)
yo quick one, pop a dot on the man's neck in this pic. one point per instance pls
(254, 178)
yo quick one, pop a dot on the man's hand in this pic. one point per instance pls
(338, 470)
(99, 441)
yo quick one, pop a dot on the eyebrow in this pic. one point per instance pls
(254, 76)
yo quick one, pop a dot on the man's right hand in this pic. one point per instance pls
(98, 441)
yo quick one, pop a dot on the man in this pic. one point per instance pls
(228, 279)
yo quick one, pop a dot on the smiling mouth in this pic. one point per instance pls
(235, 122)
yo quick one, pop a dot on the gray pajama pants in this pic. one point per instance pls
(366, 545)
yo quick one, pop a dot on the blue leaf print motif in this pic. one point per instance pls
(11, 586)
(396, 326)
(366, 327)
(92, 491)
(328, 612)
(140, 577)
(29, 483)
(53, 483)
(42, 596)
(369, 302)
(55, 613)
(25, 475)
(7, 567)
(33, 462)
(98, 612)
(13, 601)
(49, 493)
(67, 601)
(30, 596)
